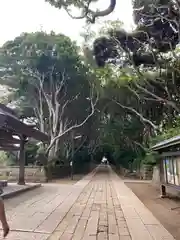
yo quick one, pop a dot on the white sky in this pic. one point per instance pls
(17, 16)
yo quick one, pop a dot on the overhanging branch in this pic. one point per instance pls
(142, 118)
(103, 13)
(92, 15)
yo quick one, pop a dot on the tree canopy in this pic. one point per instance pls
(142, 69)
(156, 33)
(53, 87)
(120, 97)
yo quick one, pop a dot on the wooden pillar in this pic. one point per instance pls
(21, 180)
(163, 191)
(162, 179)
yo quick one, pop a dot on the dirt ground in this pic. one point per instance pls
(161, 208)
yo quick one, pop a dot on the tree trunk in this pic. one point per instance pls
(57, 146)
(51, 154)
(21, 180)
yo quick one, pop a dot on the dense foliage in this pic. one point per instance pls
(52, 88)
(120, 106)
(144, 90)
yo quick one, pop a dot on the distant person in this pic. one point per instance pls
(104, 160)
(3, 219)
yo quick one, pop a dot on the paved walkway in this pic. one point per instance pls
(100, 207)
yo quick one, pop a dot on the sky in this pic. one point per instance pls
(17, 16)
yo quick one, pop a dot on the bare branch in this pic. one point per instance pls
(92, 15)
(133, 91)
(84, 11)
(79, 147)
(143, 119)
(170, 103)
(94, 146)
(139, 144)
(93, 104)
(103, 13)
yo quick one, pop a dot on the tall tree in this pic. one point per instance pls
(55, 87)
(147, 57)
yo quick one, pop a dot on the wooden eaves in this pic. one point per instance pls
(166, 143)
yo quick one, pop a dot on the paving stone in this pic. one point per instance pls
(66, 236)
(26, 236)
(92, 225)
(159, 232)
(72, 224)
(50, 223)
(56, 235)
(113, 237)
(80, 229)
(89, 238)
(102, 236)
(125, 238)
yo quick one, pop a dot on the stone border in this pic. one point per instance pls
(141, 222)
(19, 191)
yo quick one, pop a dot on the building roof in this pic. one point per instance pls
(167, 143)
(11, 126)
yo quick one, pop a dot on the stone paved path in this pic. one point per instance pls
(100, 207)
(97, 214)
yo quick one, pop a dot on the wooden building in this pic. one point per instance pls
(14, 134)
(169, 167)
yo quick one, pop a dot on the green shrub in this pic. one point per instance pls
(7, 159)
(151, 158)
(31, 152)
